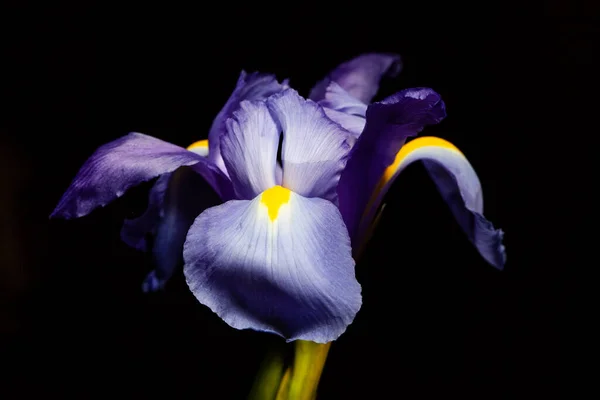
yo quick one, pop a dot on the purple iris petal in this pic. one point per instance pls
(291, 273)
(360, 76)
(352, 123)
(128, 161)
(249, 149)
(389, 123)
(314, 149)
(467, 209)
(134, 231)
(338, 99)
(187, 196)
(254, 86)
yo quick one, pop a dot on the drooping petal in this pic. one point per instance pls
(128, 161)
(314, 149)
(279, 263)
(187, 196)
(389, 123)
(360, 76)
(135, 230)
(254, 86)
(459, 186)
(249, 149)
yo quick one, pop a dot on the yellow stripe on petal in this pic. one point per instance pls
(274, 198)
(200, 147)
(411, 148)
(425, 141)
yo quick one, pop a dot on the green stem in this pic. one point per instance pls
(270, 374)
(309, 360)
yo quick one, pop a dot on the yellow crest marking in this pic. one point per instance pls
(274, 198)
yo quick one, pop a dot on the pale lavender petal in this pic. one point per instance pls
(314, 149)
(352, 123)
(389, 123)
(254, 86)
(360, 76)
(338, 99)
(459, 186)
(128, 161)
(249, 149)
(291, 274)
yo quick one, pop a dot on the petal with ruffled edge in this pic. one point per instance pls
(128, 161)
(249, 149)
(254, 86)
(338, 99)
(389, 123)
(352, 123)
(314, 149)
(360, 76)
(344, 109)
(279, 263)
(459, 186)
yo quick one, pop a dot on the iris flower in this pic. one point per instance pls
(276, 254)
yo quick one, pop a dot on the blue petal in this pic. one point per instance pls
(360, 76)
(135, 230)
(254, 86)
(338, 99)
(188, 195)
(389, 123)
(314, 149)
(126, 162)
(249, 149)
(275, 264)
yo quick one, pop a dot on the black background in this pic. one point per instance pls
(436, 320)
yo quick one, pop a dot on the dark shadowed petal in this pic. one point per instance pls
(314, 149)
(360, 76)
(135, 230)
(279, 263)
(389, 123)
(249, 149)
(254, 86)
(459, 186)
(128, 161)
(187, 196)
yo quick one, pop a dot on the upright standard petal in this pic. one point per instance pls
(249, 149)
(254, 86)
(338, 99)
(360, 76)
(128, 161)
(314, 149)
(459, 186)
(344, 109)
(279, 263)
(389, 123)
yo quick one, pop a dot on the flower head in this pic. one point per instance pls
(277, 254)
